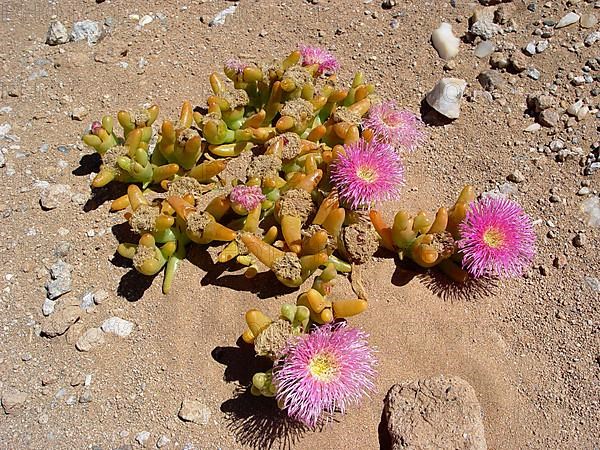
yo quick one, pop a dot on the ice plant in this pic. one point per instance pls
(235, 66)
(246, 198)
(324, 371)
(367, 173)
(325, 61)
(400, 128)
(497, 238)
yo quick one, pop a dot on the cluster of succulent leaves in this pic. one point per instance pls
(286, 213)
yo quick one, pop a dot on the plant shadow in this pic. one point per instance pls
(256, 422)
(441, 285)
(264, 284)
(449, 290)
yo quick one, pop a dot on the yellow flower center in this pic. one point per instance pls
(493, 237)
(367, 174)
(323, 367)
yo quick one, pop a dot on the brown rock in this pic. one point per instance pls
(540, 102)
(518, 62)
(74, 332)
(490, 80)
(92, 338)
(12, 401)
(434, 413)
(549, 118)
(66, 314)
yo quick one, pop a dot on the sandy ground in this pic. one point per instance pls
(529, 347)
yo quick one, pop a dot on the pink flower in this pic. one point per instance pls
(236, 66)
(316, 55)
(396, 127)
(95, 127)
(367, 173)
(328, 369)
(497, 238)
(248, 197)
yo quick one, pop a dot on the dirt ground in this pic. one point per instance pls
(529, 346)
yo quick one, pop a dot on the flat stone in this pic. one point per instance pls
(66, 313)
(194, 411)
(532, 128)
(55, 195)
(434, 413)
(567, 19)
(484, 49)
(117, 326)
(92, 338)
(13, 400)
(588, 21)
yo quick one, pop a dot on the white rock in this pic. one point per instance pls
(575, 107)
(530, 49)
(591, 209)
(4, 129)
(533, 128)
(583, 112)
(592, 38)
(219, 19)
(568, 19)
(48, 307)
(542, 46)
(2, 159)
(55, 195)
(444, 41)
(446, 95)
(142, 437)
(145, 20)
(117, 326)
(484, 49)
(86, 29)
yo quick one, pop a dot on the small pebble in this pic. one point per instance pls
(588, 21)
(162, 441)
(579, 240)
(560, 261)
(516, 176)
(533, 73)
(142, 437)
(583, 191)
